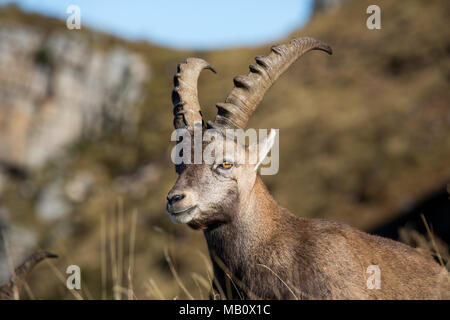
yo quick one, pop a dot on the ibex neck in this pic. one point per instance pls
(257, 210)
(253, 225)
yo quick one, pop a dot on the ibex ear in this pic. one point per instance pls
(261, 149)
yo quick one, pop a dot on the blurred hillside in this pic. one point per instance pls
(364, 134)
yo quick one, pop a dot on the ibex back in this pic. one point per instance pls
(258, 248)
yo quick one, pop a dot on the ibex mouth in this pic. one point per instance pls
(173, 212)
(183, 216)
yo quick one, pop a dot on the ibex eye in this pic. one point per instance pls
(226, 165)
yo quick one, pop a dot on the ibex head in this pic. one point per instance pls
(206, 193)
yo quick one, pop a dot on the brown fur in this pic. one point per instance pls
(317, 259)
(269, 253)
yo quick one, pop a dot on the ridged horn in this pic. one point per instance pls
(249, 90)
(10, 291)
(186, 108)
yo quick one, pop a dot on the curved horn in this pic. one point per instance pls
(10, 290)
(186, 108)
(249, 90)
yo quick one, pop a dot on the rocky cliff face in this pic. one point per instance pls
(56, 86)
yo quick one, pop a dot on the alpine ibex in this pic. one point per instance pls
(10, 290)
(258, 248)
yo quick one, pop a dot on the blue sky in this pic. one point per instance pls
(188, 24)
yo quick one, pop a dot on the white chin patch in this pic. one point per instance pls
(184, 217)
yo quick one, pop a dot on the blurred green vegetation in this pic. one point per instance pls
(361, 133)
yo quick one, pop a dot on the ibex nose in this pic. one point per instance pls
(173, 198)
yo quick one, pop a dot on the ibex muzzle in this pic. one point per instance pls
(266, 251)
